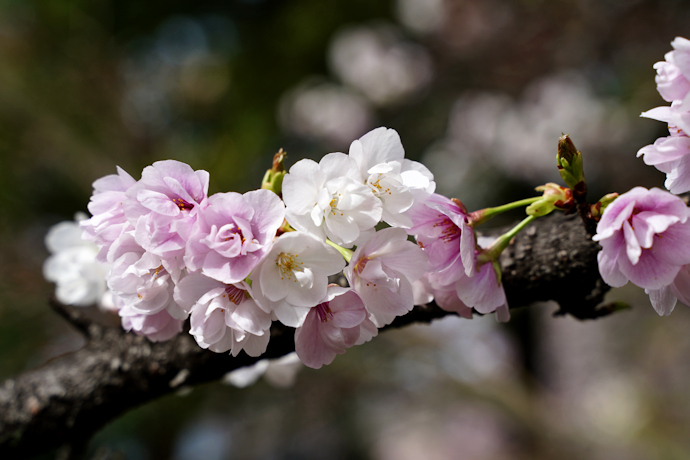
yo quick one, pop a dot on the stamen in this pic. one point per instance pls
(324, 312)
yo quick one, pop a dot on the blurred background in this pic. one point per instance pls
(478, 90)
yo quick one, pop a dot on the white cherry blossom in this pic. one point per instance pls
(293, 276)
(329, 200)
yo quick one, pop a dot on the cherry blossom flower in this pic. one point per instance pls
(293, 276)
(673, 73)
(335, 324)
(108, 219)
(74, 266)
(442, 228)
(396, 181)
(382, 271)
(483, 291)
(671, 155)
(140, 279)
(164, 205)
(223, 316)
(328, 200)
(157, 327)
(232, 234)
(643, 235)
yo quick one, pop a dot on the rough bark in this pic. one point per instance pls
(71, 397)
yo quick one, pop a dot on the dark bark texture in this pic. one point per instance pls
(64, 402)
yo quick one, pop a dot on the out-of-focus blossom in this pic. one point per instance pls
(382, 271)
(422, 16)
(280, 372)
(108, 219)
(232, 234)
(489, 131)
(327, 199)
(293, 276)
(643, 235)
(673, 73)
(164, 205)
(224, 317)
(334, 325)
(377, 62)
(73, 265)
(398, 182)
(325, 111)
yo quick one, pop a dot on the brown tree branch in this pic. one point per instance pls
(71, 397)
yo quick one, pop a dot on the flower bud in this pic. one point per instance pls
(569, 161)
(597, 209)
(554, 197)
(273, 179)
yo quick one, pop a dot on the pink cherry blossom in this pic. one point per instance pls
(673, 73)
(335, 324)
(643, 235)
(164, 205)
(482, 291)
(232, 234)
(671, 155)
(382, 271)
(442, 229)
(224, 317)
(108, 219)
(140, 279)
(157, 327)
(293, 276)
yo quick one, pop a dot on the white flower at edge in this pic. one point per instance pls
(72, 265)
(395, 180)
(328, 199)
(293, 276)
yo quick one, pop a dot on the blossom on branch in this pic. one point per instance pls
(231, 235)
(335, 324)
(643, 235)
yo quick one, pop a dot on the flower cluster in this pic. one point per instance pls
(644, 233)
(671, 154)
(232, 263)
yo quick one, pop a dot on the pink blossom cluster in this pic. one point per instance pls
(671, 154)
(644, 233)
(233, 263)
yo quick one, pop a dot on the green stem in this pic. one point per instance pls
(346, 253)
(502, 241)
(481, 216)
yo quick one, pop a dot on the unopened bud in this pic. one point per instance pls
(597, 209)
(273, 179)
(570, 167)
(554, 197)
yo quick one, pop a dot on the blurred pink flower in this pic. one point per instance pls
(673, 73)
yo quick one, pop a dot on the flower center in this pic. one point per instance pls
(450, 230)
(182, 204)
(361, 263)
(235, 294)
(288, 263)
(324, 312)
